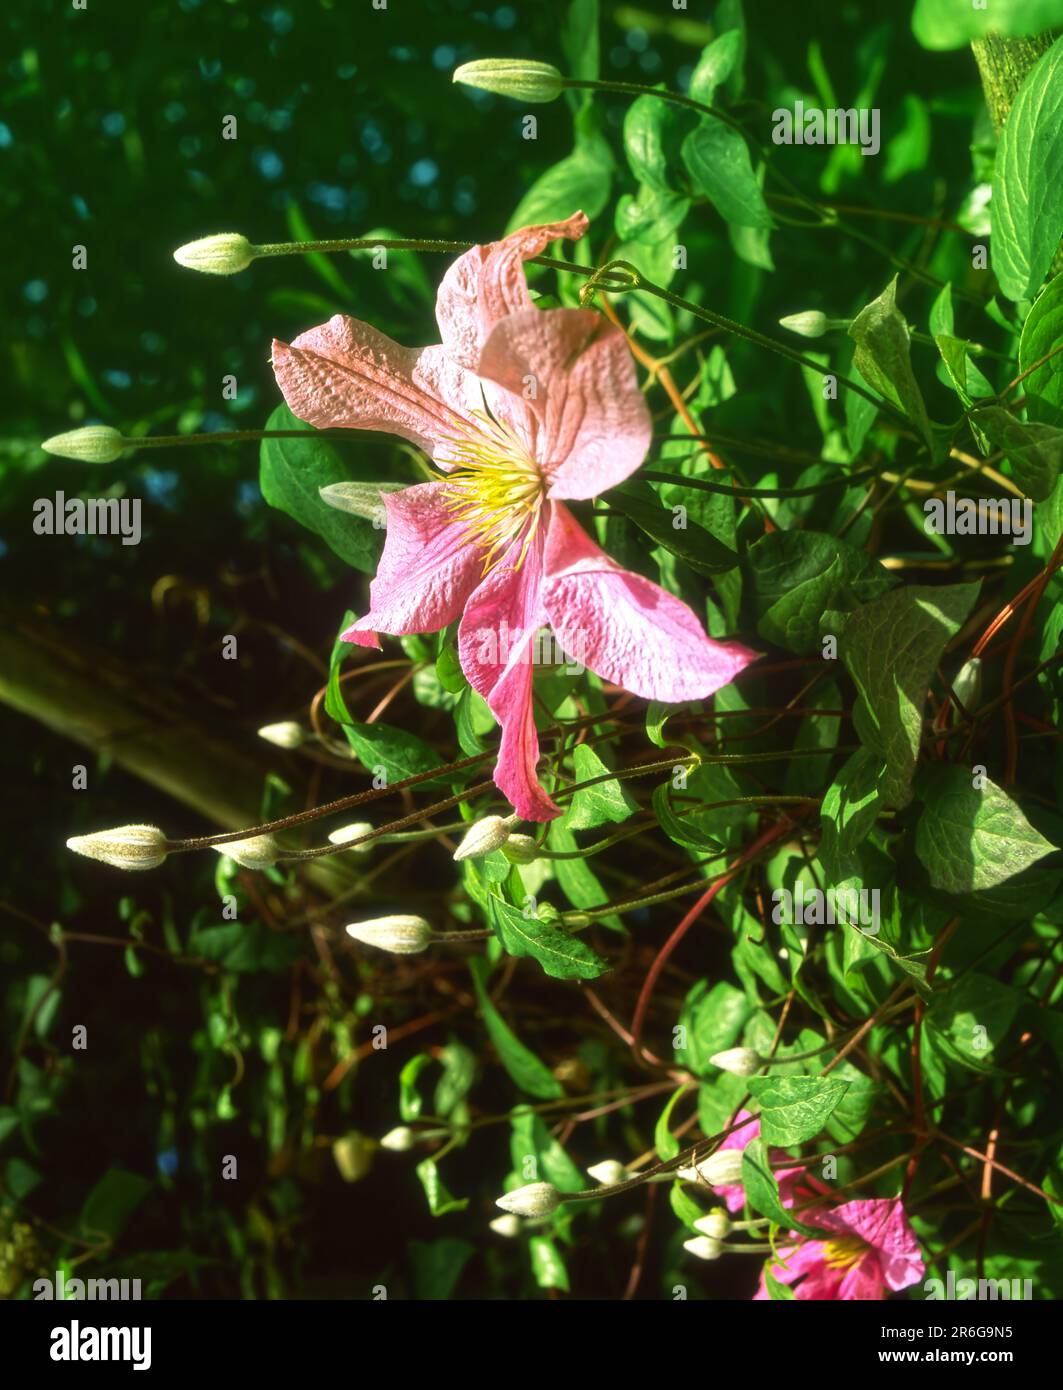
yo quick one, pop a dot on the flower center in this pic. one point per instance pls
(496, 489)
(843, 1252)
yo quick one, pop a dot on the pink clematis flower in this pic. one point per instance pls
(869, 1247)
(521, 409)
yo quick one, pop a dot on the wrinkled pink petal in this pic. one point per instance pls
(805, 1261)
(426, 572)
(346, 374)
(487, 282)
(881, 1221)
(627, 629)
(576, 373)
(863, 1282)
(495, 647)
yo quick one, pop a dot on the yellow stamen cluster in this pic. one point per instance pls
(843, 1252)
(495, 489)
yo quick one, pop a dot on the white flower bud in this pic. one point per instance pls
(360, 499)
(224, 254)
(508, 1226)
(286, 734)
(401, 935)
(483, 837)
(740, 1061)
(257, 852)
(127, 847)
(522, 78)
(346, 833)
(716, 1225)
(399, 1140)
(721, 1169)
(704, 1247)
(531, 1201)
(90, 444)
(810, 324)
(609, 1172)
(354, 1155)
(521, 849)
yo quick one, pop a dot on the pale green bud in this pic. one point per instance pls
(223, 254)
(508, 1226)
(354, 1155)
(401, 935)
(716, 1225)
(286, 734)
(609, 1172)
(399, 1140)
(811, 324)
(521, 78)
(360, 499)
(346, 833)
(721, 1169)
(739, 1061)
(127, 847)
(257, 852)
(521, 849)
(90, 444)
(531, 1201)
(484, 837)
(704, 1247)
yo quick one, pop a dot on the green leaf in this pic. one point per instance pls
(644, 127)
(111, 1203)
(762, 1189)
(290, 473)
(440, 1201)
(530, 1138)
(438, 1265)
(1027, 206)
(718, 60)
(580, 180)
(651, 217)
(592, 806)
(795, 1108)
(942, 24)
(548, 1267)
(849, 810)
(717, 159)
(672, 528)
(398, 753)
(575, 877)
(1035, 451)
(245, 947)
(665, 1142)
(561, 955)
(969, 839)
(713, 1020)
(796, 575)
(1041, 333)
(524, 1068)
(883, 360)
(410, 1101)
(891, 648)
(972, 1018)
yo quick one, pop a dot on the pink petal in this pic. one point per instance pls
(627, 629)
(884, 1225)
(863, 1281)
(487, 283)
(806, 1262)
(426, 572)
(346, 374)
(495, 647)
(593, 424)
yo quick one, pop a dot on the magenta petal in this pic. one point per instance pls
(496, 650)
(627, 629)
(881, 1221)
(576, 374)
(863, 1281)
(487, 283)
(426, 572)
(346, 374)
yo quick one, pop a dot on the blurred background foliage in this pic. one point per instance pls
(205, 1040)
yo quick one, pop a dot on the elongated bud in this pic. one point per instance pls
(360, 499)
(609, 1172)
(716, 1225)
(508, 1225)
(354, 1155)
(90, 444)
(522, 78)
(346, 833)
(521, 849)
(398, 1141)
(533, 1200)
(258, 852)
(810, 324)
(223, 254)
(721, 1169)
(402, 936)
(286, 734)
(704, 1247)
(127, 847)
(740, 1061)
(967, 685)
(483, 837)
